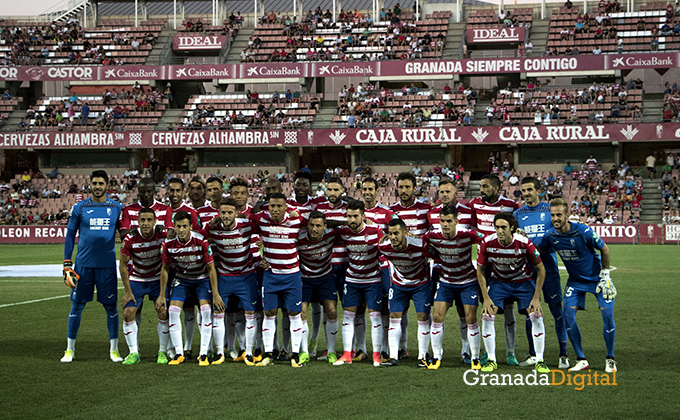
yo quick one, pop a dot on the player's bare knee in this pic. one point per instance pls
(396, 315)
(292, 314)
(271, 312)
(422, 316)
(129, 314)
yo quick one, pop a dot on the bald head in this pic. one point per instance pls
(273, 186)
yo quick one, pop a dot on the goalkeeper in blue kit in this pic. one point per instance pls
(578, 246)
(95, 220)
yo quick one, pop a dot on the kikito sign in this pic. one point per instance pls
(198, 42)
(486, 35)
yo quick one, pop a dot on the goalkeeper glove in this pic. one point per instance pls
(606, 286)
(70, 277)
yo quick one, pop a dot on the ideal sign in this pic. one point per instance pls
(484, 35)
(198, 42)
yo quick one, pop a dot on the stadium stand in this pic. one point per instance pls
(354, 37)
(247, 111)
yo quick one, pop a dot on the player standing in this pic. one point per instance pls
(507, 253)
(363, 281)
(146, 192)
(282, 283)
(189, 253)
(381, 216)
(237, 280)
(410, 281)
(447, 196)
(95, 220)
(315, 248)
(414, 214)
(197, 192)
(175, 193)
(534, 219)
(457, 282)
(484, 209)
(588, 271)
(142, 278)
(214, 190)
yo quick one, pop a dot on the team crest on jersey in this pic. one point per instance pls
(108, 212)
(573, 242)
(542, 217)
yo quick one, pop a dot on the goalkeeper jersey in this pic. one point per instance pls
(578, 250)
(96, 225)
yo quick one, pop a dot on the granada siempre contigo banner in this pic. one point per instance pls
(253, 71)
(341, 137)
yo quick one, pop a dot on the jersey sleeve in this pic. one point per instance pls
(195, 222)
(254, 219)
(165, 255)
(481, 255)
(207, 253)
(124, 220)
(591, 238)
(543, 243)
(168, 223)
(73, 226)
(126, 248)
(532, 254)
(475, 237)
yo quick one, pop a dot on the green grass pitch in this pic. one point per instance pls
(36, 385)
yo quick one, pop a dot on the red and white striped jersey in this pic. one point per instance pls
(145, 256)
(464, 216)
(411, 267)
(306, 208)
(130, 215)
(233, 255)
(509, 263)
(315, 257)
(279, 241)
(254, 249)
(189, 259)
(362, 251)
(184, 206)
(381, 215)
(455, 254)
(207, 213)
(415, 216)
(336, 213)
(483, 212)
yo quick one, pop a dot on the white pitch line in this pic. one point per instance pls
(38, 300)
(33, 301)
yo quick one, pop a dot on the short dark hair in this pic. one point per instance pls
(316, 214)
(372, 180)
(356, 205)
(449, 210)
(146, 210)
(397, 222)
(446, 181)
(277, 195)
(407, 176)
(238, 182)
(336, 180)
(199, 179)
(227, 202)
(181, 215)
(508, 217)
(176, 181)
(213, 179)
(305, 175)
(100, 174)
(493, 180)
(147, 180)
(531, 180)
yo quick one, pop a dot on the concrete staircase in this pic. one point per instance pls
(240, 44)
(472, 189)
(454, 37)
(13, 119)
(652, 208)
(154, 57)
(324, 118)
(169, 118)
(652, 107)
(538, 33)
